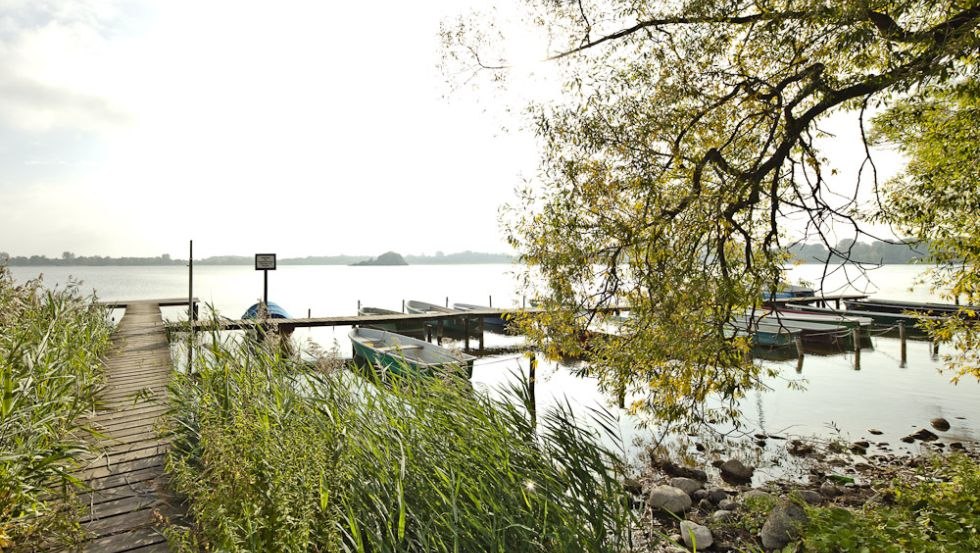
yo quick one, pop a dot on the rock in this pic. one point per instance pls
(783, 525)
(727, 505)
(760, 443)
(695, 536)
(828, 489)
(761, 436)
(698, 495)
(940, 424)
(855, 448)
(811, 497)
(875, 431)
(735, 472)
(705, 505)
(673, 469)
(717, 495)
(923, 435)
(799, 448)
(908, 439)
(957, 446)
(689, 485)
(670, 499)
(756, 494)
(721, 515)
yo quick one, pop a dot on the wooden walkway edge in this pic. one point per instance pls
(128, 501)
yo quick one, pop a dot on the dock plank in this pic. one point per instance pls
(128, 497)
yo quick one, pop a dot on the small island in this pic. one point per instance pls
(387, 258)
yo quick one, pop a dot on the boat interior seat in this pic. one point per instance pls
(400, 347)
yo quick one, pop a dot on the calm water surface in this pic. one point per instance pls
(838, 397)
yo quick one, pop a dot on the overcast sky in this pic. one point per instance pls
(304, 128)
(128, 127)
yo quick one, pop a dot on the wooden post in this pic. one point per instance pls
(190, 308)
(857, 338)
(799, 347)
(428, 332)
(531, 378)
(490, 301)
(309, 312)
(358, 307)
(935, 349)
(479, 327)
(466, 334)
(447, 301)
(403, 306)
(901, 338)
(439, 330)
(523, 302)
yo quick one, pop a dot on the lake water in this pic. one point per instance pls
(838, 397)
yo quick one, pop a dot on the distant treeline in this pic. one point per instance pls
(70, 259)
(862, 252)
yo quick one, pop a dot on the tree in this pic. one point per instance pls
(686, 137)
(938, 198)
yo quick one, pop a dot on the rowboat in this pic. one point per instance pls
(810, 332)
(490, 322)
(413, 329)
(846, 321)
(453, 326)
(406, 356)
(763, 334)
(879, 318)
(271, 311)
(898, 307)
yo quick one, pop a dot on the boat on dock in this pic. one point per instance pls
(412, 329)
(270, 311)
(904, 307)
(846, 321)
(452, 326)
(494, 323)
(763, 333)
(402, 355)
(811, 332)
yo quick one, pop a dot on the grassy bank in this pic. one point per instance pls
(50, 371)
(271, 456)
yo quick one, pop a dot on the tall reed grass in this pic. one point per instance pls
(51, 343)
(273, 456)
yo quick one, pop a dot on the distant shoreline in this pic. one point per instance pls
(460, 258)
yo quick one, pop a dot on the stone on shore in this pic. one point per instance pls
(735, 472)
(670, 499)
(695, 536)
(940, 424)
(783, 525)
(689, 485)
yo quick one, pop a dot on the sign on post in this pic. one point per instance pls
(265, 262)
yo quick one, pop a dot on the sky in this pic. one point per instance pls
(129, 127)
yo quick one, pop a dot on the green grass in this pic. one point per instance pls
(272, 456)
(50, 371)
(937, 512)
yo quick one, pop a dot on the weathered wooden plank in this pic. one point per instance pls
(127, 541)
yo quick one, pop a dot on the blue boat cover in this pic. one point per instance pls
(275, 312)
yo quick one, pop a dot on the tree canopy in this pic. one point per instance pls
(686, 138)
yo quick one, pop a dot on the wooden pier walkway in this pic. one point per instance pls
(128, 499)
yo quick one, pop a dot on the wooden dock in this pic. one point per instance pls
(128, 501)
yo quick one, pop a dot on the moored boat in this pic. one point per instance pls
(271, 311)
(413, 329)
(763, 334)
(400, 354)
(452, 326)
(490, 322)
(847, 321)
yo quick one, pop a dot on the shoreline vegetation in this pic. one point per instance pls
(51, 348)
(875, 252)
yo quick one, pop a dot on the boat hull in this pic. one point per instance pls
(406, 356)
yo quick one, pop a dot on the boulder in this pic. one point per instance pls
(924, 435)
(940, 424)
(721, 515)
(875, 431)
(783, 525)
(698, 495)
(689, 485)
(695, 536)
(670, 499)
(735, 472)
(727, 505)
(717, 495)
(673, 469)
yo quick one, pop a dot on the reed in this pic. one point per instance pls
(51, 343)
(271, 455)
